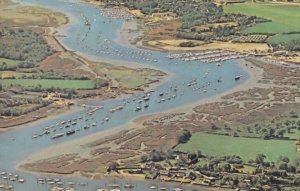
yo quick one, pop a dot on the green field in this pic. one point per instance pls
(247, 148)
(283, 38)
(285, 18)
(269, 28)
(45, 83)
(9, 62)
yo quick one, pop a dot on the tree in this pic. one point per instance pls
(235, 182)
(199, 152)
(284, 159)
(260, 159)
(214, 127)
(193, 158)
(291, 168)
(283, 166)
(156, 156)
(226, 167)
(113, 166)
(144, 158)
(183, 136)
(296, 162)
(296, 181)
(280, 133)
(271, 132)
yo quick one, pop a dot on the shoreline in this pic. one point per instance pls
(124, 36)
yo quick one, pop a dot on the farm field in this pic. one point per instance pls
(28, 15)
(9, 62)
(285, 18)
(47, 83)
(247, 148)
(283, 38)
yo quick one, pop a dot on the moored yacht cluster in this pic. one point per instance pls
(207, 56)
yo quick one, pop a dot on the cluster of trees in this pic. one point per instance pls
(66, 93)
(13, 106)
(278, 168)
(40, 74)
(17, 111)
(100, 83)
(220, 164)
(293, 45)
(278, 130)
(16, 101)
(23, 45)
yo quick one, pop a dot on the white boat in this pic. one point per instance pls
(34, 136)
(147, 98)
(128, 185)
(58, 135)
(70, 183)
(178, 189)
(59, 183)
(113, 186)
(21, 180)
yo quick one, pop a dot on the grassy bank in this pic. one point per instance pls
(48, 83)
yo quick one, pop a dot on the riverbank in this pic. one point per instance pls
(80, 147)
(255, 74)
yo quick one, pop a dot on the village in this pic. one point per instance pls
(227, 172)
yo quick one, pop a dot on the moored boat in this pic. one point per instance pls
(71, 132)
(58, 135)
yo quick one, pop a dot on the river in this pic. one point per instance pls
(18, 144)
